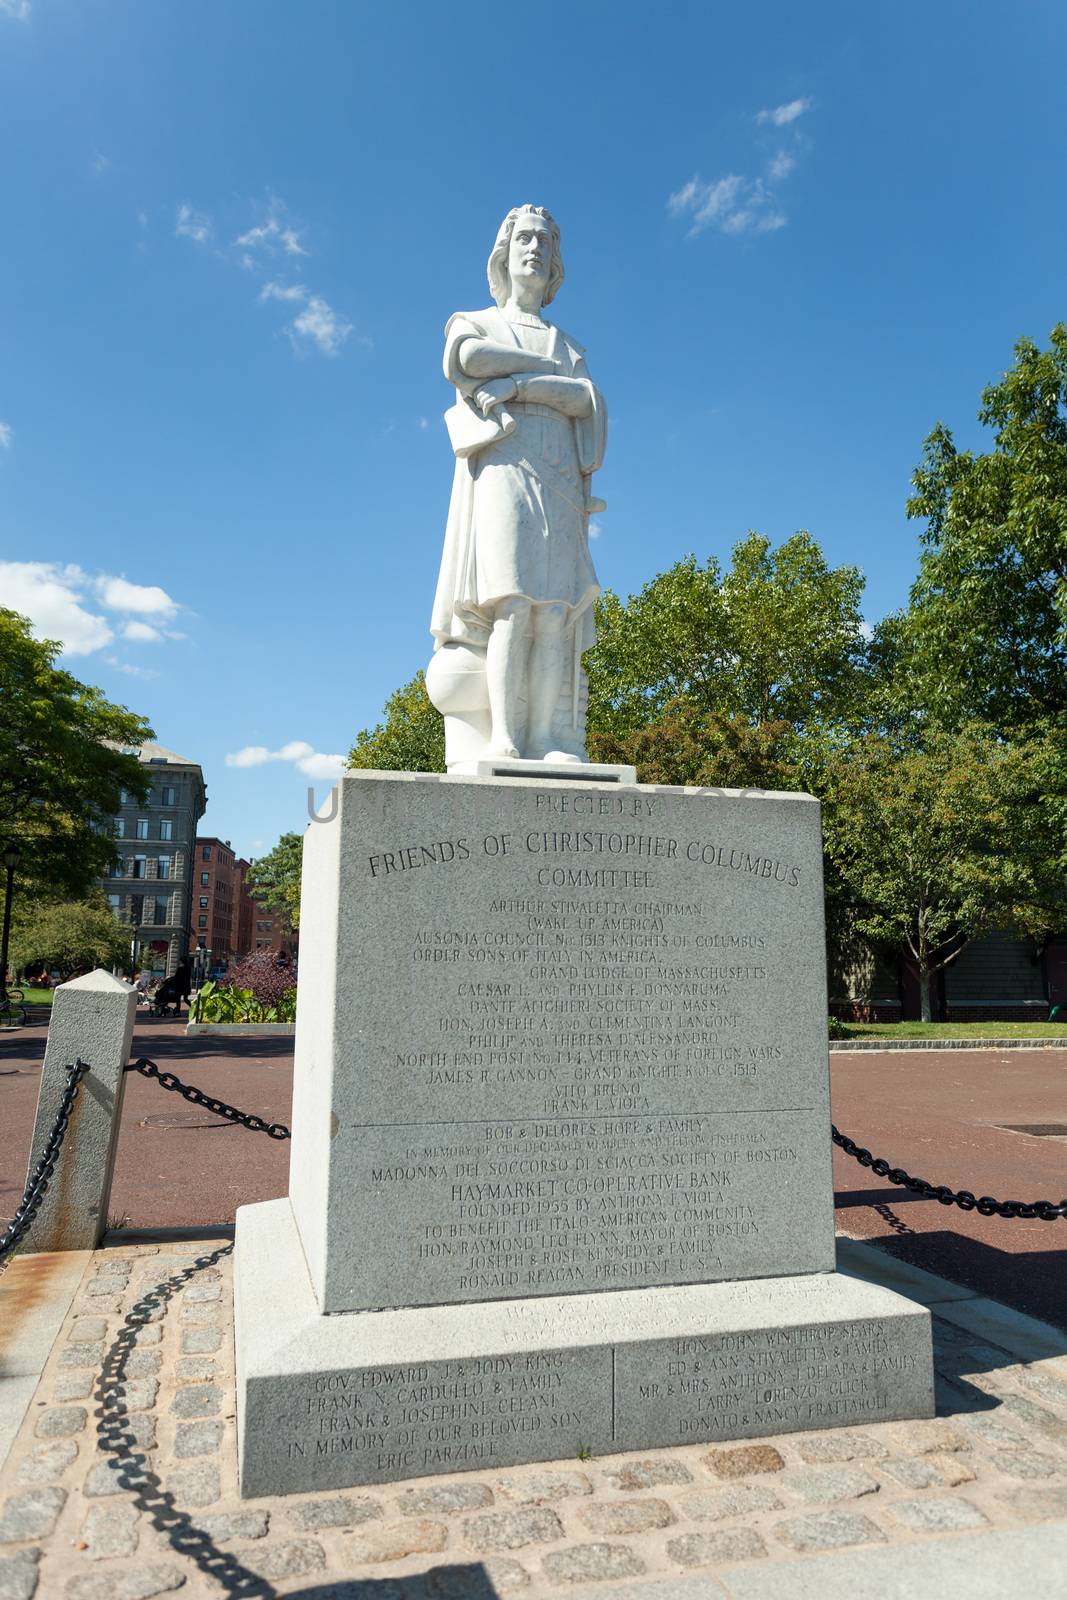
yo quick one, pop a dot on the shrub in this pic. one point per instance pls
(257, 989)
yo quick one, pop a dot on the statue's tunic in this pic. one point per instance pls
(518, 519)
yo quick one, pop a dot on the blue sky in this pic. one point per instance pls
(795, 237)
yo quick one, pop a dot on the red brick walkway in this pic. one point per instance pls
(942, 1115)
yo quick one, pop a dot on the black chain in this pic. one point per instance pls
(37, 1183)
(167, 1080)
(984, 1204)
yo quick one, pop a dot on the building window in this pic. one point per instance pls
(124, 797)
(115, 902)
(117, 871)
(142, 827)
(207, 852)
(163, 867)
(168, 795)
(203, 902)
(205, 879)
(120, 828)
(139, 867)
(201, 944)
(162, 907)
(166, 830)
(201, 922)
(136, 908)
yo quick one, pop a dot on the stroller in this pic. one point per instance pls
(168, 998)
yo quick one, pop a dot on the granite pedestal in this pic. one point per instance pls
(561, 1160)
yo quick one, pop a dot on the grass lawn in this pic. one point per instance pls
(34, 997)
(957, 1030)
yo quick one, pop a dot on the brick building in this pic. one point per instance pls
(218, 885)
(226, 920)
(150, 887)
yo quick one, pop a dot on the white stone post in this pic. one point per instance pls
(92, 1018)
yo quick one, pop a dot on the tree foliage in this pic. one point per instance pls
(60, 771)
(935, 847)
(776, 638)
(706, 749)
(73, 936)
(274, 880)
(411, 739)
(987, 630)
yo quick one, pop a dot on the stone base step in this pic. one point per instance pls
(330, 1402)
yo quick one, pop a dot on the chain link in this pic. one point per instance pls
(37, 1183)
(984, 1204)
(168, 1080)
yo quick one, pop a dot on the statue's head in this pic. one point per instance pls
(528, 243)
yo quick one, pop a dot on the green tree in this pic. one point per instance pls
(776, 638)
(71, 935)
(705, 749)
(274, 879)
(987, 628)
(935, 846)
(64, 757)
(411, 739)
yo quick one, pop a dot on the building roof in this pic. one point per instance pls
(158, 753)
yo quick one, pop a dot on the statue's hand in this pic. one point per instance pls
(495, 393)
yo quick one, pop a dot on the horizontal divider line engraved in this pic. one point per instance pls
(601, 1116)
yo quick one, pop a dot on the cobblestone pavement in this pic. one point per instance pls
(122, 1482)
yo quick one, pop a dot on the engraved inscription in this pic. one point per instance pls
(597, 1054)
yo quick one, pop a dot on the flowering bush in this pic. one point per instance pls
(261, 973)
(257, 989)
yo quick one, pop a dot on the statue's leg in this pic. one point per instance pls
(548, 657)
(505, 669)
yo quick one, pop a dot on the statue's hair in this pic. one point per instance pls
(497, 270)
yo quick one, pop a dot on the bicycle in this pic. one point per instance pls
(12, 1010)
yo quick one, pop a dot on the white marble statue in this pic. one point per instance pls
(513, 610)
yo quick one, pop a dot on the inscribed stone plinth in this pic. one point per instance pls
(556, 1038)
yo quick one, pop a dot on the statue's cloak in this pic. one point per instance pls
(556, 492)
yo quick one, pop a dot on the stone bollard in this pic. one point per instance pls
(92, 1018)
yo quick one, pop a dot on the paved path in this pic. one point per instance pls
(122, 1482)
(947, 1116)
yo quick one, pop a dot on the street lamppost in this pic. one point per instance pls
(12, 856)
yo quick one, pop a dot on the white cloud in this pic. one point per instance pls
(118, 594)
(735, 204)
(99, 163)
(732, 204)
(283, 291)
(314, 763)
(273, 234)
(51, 596)
(19, 9)
(6, 435)
(130, 670)
(64, 602)
(320, 323)
(192, 225)
(424, 423)
(782, 116)
(141, 633)
(595, 530)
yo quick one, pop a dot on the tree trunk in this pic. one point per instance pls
(924, 995)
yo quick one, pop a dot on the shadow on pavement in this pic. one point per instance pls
(1032, 1281)
(469, 1581)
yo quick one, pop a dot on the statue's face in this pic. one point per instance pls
(530, 252)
